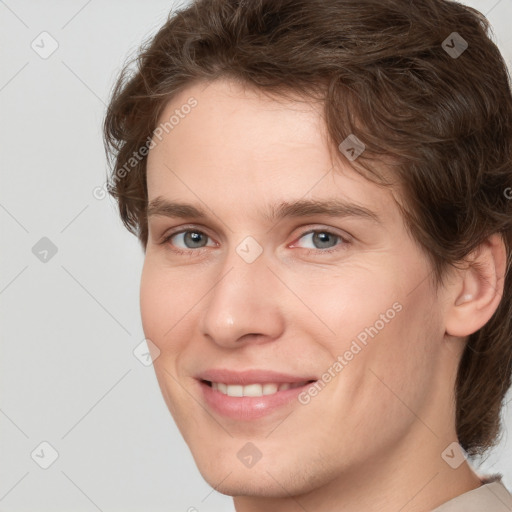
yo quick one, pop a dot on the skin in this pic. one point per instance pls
(372, 439)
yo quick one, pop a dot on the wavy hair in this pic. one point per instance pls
(420, 83)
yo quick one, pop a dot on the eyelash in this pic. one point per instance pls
(179, 251)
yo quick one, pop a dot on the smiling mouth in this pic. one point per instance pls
(256, 389)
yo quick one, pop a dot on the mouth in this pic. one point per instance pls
(252, 400)
(255, 389)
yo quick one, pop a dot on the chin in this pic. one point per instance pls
(237, 482)
(276, 478)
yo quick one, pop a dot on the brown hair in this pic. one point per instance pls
(394, 74)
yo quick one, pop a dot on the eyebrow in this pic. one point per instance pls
(299, 208)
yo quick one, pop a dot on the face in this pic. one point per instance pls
(275, 273)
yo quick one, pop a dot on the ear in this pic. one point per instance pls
(478, 289)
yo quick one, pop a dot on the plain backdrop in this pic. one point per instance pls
(70, 276)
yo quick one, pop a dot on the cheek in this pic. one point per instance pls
(399, 361)
(163, 310)
(381, 329)
(161, 302)
(151, 297)
(350, 305)
(168, 300)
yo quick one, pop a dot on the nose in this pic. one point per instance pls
(243, 306)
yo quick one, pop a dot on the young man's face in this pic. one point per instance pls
(344, 299)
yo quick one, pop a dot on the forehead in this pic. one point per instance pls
(246, 146)
(232, 122)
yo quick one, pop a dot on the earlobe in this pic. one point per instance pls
(478, 289)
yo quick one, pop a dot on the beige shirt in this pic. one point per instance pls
(492, 496)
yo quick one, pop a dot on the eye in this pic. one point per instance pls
(321, 240)
(187, 240)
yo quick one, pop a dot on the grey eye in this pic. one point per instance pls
(191, 239)
(322, 239)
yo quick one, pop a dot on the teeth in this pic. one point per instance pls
(254, 389)
(235, 390)
(269, 389)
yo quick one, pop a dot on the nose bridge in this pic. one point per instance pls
(240, 302)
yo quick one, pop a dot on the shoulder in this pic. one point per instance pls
(491, 496)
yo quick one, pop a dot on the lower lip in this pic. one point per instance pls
(249, 407)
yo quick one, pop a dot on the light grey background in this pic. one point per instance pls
(69, 325)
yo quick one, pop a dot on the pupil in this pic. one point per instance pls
(193, 237)
(321, 239)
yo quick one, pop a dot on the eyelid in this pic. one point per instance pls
(344, 236)
(183, 232)
(186, 227)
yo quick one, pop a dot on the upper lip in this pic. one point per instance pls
(251, 377)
